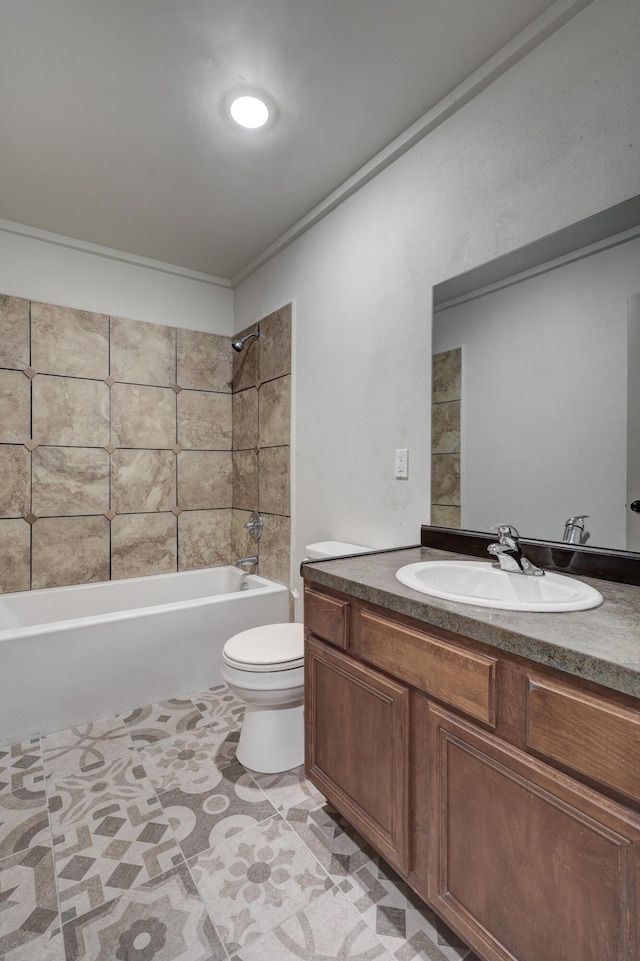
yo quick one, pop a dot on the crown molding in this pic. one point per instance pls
(108, 253)
(527, 40)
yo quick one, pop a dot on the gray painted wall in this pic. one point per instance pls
(552, 141)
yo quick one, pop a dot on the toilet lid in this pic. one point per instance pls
(272, 647)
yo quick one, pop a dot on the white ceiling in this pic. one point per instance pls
(110, 123)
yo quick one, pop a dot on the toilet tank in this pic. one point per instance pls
(315, 552)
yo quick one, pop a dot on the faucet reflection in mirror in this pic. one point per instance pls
(574, 532)
(564, 427)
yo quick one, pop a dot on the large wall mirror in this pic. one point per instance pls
(536, 403)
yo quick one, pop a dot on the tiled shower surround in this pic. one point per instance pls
(129, 448)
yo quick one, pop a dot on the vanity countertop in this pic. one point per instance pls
(600, 645)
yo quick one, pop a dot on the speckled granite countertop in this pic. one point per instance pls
(601, 645)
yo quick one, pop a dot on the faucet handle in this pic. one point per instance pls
(505, 530)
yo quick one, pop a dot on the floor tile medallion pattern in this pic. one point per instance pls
(141, 838)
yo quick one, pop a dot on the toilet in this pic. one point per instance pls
(264, 667)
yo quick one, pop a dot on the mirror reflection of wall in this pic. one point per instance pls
(544, 397)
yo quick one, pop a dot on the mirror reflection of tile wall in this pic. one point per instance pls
(117, 453)
(445, 438)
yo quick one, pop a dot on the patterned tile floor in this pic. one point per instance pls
(141, 838)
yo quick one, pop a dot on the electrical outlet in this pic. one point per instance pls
(402, 464)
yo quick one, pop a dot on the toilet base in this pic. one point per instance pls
(271, 739)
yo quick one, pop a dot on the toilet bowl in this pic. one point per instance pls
(264, 667)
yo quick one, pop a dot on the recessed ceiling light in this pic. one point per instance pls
(249, 111)
(249, 107)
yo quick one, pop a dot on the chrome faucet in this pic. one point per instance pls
(508, 554)
(243, 562)
(574, 532)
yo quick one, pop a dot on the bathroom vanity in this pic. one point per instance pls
(491, 757)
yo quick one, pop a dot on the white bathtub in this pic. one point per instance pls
(73, 654)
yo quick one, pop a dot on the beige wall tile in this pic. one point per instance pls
(204, 420)
(70, 342)
(70, 550)
(143, 544)
(70, 412)
(205, 479)
(204, 360)
(15, 405)
(243, 544)
(275, 549)
(447, 374)
(445, 479)
(14, 332)
(245, 480)
(70, 480)
(445, 433)
(273, 476)
(15, 556)
(274, 413)
(143, 480)
(71, 419)
(15, 480)
(75, 415)
(245, 363)
(245, 419)
(143, 416)
(204, 539)
(143, 353)
(275, 344)
(443, 516)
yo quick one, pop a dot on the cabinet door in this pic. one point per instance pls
(357, 746)
(524, 862)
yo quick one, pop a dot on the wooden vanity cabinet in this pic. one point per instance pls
(357, 746)
(491, 784)
(524, 862)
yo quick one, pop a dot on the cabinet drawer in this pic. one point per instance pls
(585, 733)
(327, 617)
(463, 679)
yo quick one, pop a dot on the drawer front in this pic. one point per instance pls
(327, 617)
(463, 679)
(585, 733)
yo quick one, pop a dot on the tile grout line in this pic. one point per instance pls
(276, 815)
(132, 750)
(51, 837)
(187, 861)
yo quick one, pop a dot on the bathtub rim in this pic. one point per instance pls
(260, 586)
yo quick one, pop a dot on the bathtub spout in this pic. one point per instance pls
(243, 562)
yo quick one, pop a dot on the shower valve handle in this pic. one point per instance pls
(254, 525)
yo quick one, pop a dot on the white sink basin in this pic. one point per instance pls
(479, 583)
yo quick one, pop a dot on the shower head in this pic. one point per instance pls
(239, 344)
